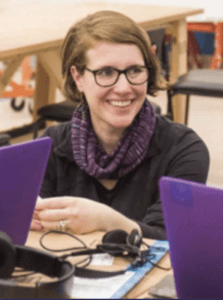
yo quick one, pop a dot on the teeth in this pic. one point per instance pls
(120, 103)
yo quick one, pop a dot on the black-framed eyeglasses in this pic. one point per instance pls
(108, 76)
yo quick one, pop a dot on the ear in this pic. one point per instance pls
(78, 79)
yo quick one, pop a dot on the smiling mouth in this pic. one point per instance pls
(120, 103)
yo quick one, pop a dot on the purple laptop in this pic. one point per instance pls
(193, 214)
(22, 168)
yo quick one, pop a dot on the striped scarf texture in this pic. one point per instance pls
(90, 156)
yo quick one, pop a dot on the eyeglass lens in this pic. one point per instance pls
(109, 76)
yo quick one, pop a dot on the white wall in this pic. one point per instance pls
(213, 9)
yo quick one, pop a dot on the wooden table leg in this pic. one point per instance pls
(41, 89)
(178, 64)
(48, 78)
(51, 62)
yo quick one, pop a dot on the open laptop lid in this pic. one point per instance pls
(193, 215)
(22, 168)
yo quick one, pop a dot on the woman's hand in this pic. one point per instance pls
(79, 215)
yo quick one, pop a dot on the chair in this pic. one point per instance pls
(161, 43)
(158, 39)
(200, 82)
(61, 112)
(4, 139)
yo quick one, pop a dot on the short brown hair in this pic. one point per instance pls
(107, 26)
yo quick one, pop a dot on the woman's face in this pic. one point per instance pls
(113, 107)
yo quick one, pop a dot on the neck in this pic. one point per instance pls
(109, 137)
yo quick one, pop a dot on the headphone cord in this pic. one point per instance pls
(64, 256)
(148, 256)
(65, 249)
(142, 257)
(25, 273)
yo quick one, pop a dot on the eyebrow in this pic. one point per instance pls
(134, 65)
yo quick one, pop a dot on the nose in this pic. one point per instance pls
(122, 85)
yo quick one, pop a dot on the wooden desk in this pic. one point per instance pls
(39, 28)
(140, 290)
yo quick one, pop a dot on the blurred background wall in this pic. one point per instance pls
(213, 9)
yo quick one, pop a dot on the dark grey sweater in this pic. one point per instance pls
(175, 150)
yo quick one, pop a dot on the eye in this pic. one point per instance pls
(134, 70)
(106, 72)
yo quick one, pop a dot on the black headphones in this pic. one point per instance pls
(120, 243)
(116, 243)
(33, 260)
(122, 237)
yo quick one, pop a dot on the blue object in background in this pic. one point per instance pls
(205, 41)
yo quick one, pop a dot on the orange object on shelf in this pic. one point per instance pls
(202, 27)
(209, 27)
(217, 59)
(23, 89)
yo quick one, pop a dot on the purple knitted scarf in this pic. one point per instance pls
(130, 151)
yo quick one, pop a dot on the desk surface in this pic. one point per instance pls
(149, 280)
(40, 26)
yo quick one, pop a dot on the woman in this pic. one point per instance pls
(105, 164)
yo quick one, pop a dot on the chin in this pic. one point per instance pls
(122, 124)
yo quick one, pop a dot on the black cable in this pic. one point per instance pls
(150, 255)
(65, 249)
(112, 249)
(88, 259)
(22, 275)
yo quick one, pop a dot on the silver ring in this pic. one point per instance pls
(62, 226)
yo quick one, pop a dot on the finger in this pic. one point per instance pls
(52, 203)
(54, 225)
(36, 215)
(36, 225)
(53, 215)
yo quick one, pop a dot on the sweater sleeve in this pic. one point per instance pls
(186, 158)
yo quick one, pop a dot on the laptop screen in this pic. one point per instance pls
(22, 168)
(193, 215)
